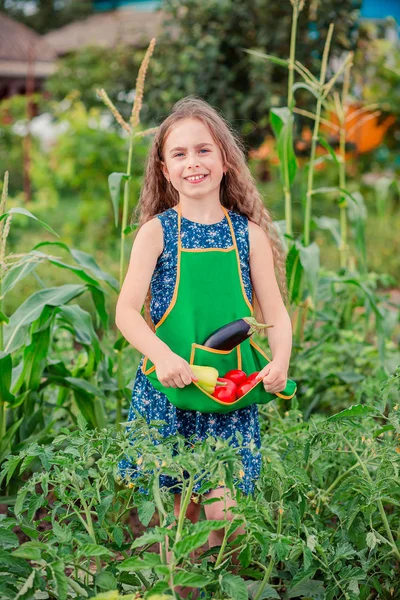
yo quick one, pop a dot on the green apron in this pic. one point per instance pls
(208, 294)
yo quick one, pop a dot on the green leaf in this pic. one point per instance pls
(372, 540)
(309, 258)
(63, 265)
(28, 553)
(274, 59)
(23, 211)
(313, 90)
(31, 309)
(268, 591)
(20, 501)
(281, 121)
(245, 556)
(104, 506)
(313, 588)
(5, 380)
(100, 304)
(81, 384)
(61, 579)
(28, 584)
(350, 376)
(62, 533)
(329, 224)
(329, 148)
(130, 228)
(294, 271)
(94, 550)
(85, 261)
(234, 586)
(198, 537)
(325, 190)
(159, 588)
(196, 580)
(149, 537)
(147, 560)
(36, 501)
(18, 272)
(3, 317)
(12, 461)
(106, 581)
(8, 539)
(114, 185)
(366, 291)
(146, 512)
(357, 410)
(118, 536)
(35, 359)
(79, 590)
(383, 430)
(81, 322)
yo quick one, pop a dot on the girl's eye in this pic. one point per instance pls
(181, 153)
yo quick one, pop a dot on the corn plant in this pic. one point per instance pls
(115, 181)
(303, 261)
(36, 373)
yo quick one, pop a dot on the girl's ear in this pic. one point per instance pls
(165, 170)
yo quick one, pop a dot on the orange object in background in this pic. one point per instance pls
(363, 129)
(364, 132)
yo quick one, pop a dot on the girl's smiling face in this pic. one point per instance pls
(193, 161)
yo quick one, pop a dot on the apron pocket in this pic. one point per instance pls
(247, 356)
(193, 397)
(261, 360)
(222, 360)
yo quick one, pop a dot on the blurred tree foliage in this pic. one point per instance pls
(207, 56)
(376, 71)
(45, 15)
(74, 163)
(95, 67)
(201, 51)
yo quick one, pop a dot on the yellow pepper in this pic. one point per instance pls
(206, 377)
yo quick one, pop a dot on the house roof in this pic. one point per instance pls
(107, 29)
(19, 45)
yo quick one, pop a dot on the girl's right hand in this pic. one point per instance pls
(174, 371)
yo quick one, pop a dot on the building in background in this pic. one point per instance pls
(114, 22)
(26, 59)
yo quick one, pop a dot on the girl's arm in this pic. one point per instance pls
(172, 370)
(273, 309)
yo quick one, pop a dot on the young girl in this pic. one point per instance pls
(198, 195)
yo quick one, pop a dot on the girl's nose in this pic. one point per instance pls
(193, 161)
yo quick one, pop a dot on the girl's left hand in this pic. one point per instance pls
(274, 377)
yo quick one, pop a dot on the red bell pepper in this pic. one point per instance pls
(252, 376)
(238, 377)
(244, 388)
(226, 393)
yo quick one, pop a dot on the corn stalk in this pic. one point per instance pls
(116, 179)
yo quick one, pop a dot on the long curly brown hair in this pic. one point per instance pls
(238, 190)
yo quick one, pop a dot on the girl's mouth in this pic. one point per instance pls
(196, 178)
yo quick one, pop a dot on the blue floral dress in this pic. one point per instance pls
(154, 405)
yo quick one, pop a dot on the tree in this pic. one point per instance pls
(46, 15)
(201, 52)
(96, 67)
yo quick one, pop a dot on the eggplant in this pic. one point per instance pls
(234, 333)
